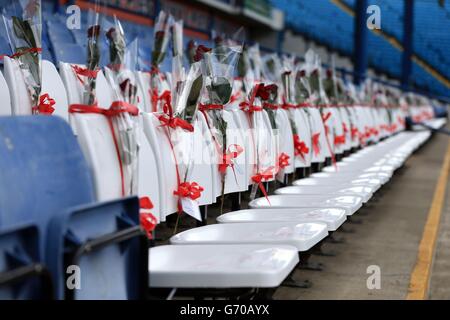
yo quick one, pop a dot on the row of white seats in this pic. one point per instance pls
(259, 252)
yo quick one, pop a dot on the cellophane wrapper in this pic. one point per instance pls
(121, 76)
(161, 41)
(23, 23)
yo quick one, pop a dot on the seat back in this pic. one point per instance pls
(20, 101)
(19, 247)
(51, 84)
(42, 171)
(5, 105)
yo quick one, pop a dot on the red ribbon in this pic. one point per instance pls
(325, 118)
(189, 190)
(235, 97)
(21, 53)
(211, 106)
(45, 105)
(84, 72)
(283, 160)
(263, 177)
(354, 132)
(117, 108)
(169, 120)
(270, 106)
(338, 140)
(300, 147)
(147, 220)
(393, 128)
(175, 122)
(233, 152)
(374, 131)
(286, 106)
(250, 105)
(344, 128)
(316, 143)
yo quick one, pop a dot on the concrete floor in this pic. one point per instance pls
(388, 237)
(440, 277)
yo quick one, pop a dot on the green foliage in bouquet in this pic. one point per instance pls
(28, 59)
(93, 61)
(301, 91)
(117, 47)
(192, 100)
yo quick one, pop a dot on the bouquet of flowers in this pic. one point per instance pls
(177, 117)
(23, 25)
(93, 60)
(120, 74)
(218, 71)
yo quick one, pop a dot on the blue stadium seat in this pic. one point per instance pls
(22, 274)
(69, 52)
(45, 180)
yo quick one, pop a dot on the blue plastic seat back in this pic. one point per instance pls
(111, 272)
(70, 53)
(42, 171)
(19, 247)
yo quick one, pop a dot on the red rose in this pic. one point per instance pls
(110, 33)
(94, 31)
(201, 50)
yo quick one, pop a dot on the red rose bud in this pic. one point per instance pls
(110, 33)
(124, 85)
(286, 73)
(329, 73)
(264, 92)
(201, 50)
(94, 31)
(218, 39)
(302, 73)
(159, 35)
(191, 44)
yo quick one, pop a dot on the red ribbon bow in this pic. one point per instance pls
(147, 220)
(169, 120)
(84, 72)
(175, 122)
(250, 105)
(316, 143)
(263, 177)
(45, 105)
(300, 147)
(338, 140)
(234, 151)
(189, 190)
(283, 160)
